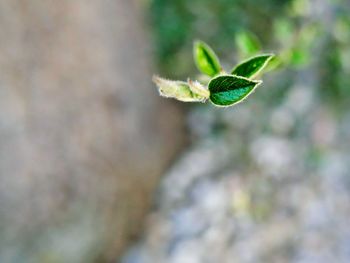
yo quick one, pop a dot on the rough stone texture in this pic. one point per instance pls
(248, 194)
(83, 136)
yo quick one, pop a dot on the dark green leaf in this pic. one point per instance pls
(252, 66)
(228, 90)
(205, 58)
(179, 90)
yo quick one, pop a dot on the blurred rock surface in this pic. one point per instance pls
(247, 194)
(83, 135)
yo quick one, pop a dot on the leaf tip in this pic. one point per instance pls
(155, 79)
(205, 58)
(197, 43)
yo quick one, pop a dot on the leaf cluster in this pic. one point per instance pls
(223, 89)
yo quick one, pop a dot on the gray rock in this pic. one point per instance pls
(83, 134)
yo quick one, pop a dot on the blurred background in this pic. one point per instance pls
(95, 167)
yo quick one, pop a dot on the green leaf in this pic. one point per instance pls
(252, 66)
(179, 90)
(227, 90)
(284, 31)
(299, 57)
(205, 58)
(247, 43)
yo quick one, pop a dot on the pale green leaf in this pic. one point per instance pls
(247, 43)
(179, 90)
(198, 88)
(205, 58)
(299, 57)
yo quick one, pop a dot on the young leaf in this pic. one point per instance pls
(252, 66)
(227, 90)
(205, 58)
(179, 90)
(247, 43)
(198, 88)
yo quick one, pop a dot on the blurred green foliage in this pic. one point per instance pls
(306, 41)
(177, 23)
